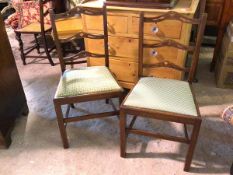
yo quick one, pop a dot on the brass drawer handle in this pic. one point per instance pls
(111, 28)
(154, 53)
(154, 30)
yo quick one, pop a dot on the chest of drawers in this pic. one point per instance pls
(12, 98)
(123, 26)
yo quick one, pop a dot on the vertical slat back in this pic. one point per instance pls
(105, 35)
(141, 38)
(195, 56)
(56, 40)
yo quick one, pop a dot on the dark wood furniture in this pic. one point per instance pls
(164, 99)
(59, 6)
(226, 16)
(37, 29)
(12, 97)
(214, 8)
(159, 4)
(66, 26)
(86, 83)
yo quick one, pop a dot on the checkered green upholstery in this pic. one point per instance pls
(164, 95)
(87, 80)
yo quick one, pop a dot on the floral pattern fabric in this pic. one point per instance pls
(27, 12)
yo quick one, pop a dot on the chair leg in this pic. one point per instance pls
(122, 133)
(37, 43)
(107, 101)
(121, 98)
(72, 105)
(61, 125)
(189, 156)
(18, 37)
(47, 50)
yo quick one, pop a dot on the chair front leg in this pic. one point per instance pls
(18, 37)
(37, 43)
(61, 125)
(193, 141)
(123, 133)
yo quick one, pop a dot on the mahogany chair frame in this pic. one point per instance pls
(195, 121)
(25, 52)
(77, 58)
(201, 8)
(58, 102)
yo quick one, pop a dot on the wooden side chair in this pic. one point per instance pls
(86, 83)
(30, 24)
(164, 99)
(66, 29)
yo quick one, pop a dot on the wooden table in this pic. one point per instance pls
(123, 25)
(227, 15)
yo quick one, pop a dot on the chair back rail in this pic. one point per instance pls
(75, 12)
(43, 14)
(201, 8)
(192, 48)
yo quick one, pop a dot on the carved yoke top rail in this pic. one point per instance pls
(171, 15)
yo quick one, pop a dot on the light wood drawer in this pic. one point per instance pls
(155, 55)
(124, 47)
(162, 54)
(124, 71)
(164, 29)
(116, 23)
(126, 85)
(163, 73)
(127, 49)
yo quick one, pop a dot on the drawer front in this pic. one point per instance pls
(155, 55)
(124, 71)
(163, 73)
(127, 49)
(164, 29)
(116, 24)
(124, 47)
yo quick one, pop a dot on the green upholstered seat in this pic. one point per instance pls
(87, 80)
(163, 95)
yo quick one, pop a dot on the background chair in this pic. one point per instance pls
(165, 99)
(34, 20)
(86, 83)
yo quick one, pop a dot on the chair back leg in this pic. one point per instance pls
(192, 145)
(22, 55)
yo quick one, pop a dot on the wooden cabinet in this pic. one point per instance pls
(12, 97)
(214, 9)
(123, 26)
(226, 16)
